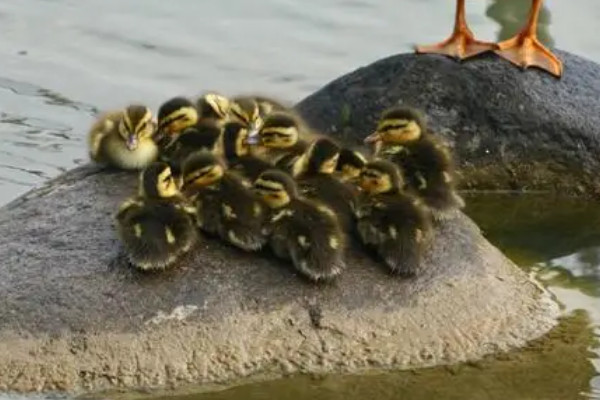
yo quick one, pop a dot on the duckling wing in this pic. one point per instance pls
(242, 215)
(312, 240)
(155, 234)
(207, 202)
(396, 229)
(335, 194)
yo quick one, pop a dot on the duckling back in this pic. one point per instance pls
(429, 172)
(309, 234)
(155, 232)
(397, 226)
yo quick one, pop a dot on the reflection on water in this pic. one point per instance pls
(510, 15)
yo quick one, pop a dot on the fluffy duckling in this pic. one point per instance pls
(213, 106)
(123, 139)
(265, 105)
(205, 135)
(301, 230)
(396, 225)
(349, 165)
(156, 227)
(174, 116)
(402, 137)
(226, 205)
(279, 139)
(314, 173)
(237, 152)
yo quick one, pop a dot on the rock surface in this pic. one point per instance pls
(510, 129)
(75, 317)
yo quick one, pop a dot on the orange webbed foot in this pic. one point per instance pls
(527, 51)
(461, 45)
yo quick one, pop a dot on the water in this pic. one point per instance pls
(63, 60)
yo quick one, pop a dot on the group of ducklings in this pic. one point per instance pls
(249, 171)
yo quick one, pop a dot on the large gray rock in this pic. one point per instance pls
(510, 129)
(75, 317)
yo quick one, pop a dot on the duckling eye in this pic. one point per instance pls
(167, 178)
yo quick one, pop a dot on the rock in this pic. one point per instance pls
(510, 129)
(75, 317)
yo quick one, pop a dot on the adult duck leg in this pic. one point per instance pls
(461, 44)
(525, 50)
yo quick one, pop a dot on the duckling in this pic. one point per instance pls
(304, 231)
(314, 174)
(395, 224)
(123, 139)
(174, 116)
(246, 110)
(265, 105)
(402, 137)
(237, 152)
(279, 139)
(206, 134)
(214, 106)
(226, 205)
(349, 165)
(156, 227)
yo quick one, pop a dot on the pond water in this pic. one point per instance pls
(63, 60)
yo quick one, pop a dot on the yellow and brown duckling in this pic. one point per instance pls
(303, 231)
(174, 116)
(396, 225)
(213, 106)
(157, 226)
(124, 139)
(402, 137)
(314, 172)
(237, 152)
(226, 206)
(349, 165)
(205, 135)
(280, 139)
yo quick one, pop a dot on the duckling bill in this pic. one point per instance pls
(156, 227)
(303, 231)
(124, 139)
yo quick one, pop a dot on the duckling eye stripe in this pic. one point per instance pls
(266, 187)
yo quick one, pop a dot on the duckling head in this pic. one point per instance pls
(276, 188)
(379, 177)
(175, 115)
(204, 135)
(247, 111)
(136, 125)
(202, 169)
(401, 125)
(350, 164)
(235, 140)
(321, 157)
(213, 106)
(280, 130)
(156, 182)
